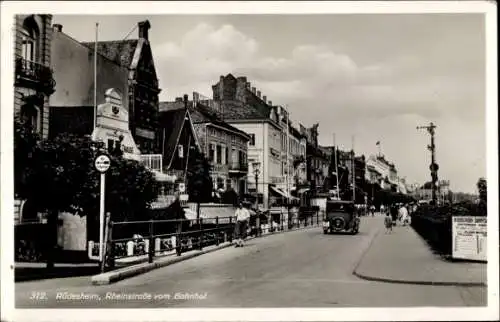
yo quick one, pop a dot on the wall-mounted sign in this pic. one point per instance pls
(469, 237)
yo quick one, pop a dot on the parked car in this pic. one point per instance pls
(340, 217)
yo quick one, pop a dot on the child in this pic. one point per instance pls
(388, 223)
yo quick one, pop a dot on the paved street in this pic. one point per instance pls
(296, 269)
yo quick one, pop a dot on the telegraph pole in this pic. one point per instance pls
(434, 167)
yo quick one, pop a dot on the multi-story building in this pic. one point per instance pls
(136, 56)
(34, 82)
(317, 161)
(425, 191)
(243, 106)
(387, 170)
(225, 146)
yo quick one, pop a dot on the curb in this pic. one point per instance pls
(400, 281)
(111, 277)
(123, 273)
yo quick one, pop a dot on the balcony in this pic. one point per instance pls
(238, 168)
(152, 161)
(34, 75)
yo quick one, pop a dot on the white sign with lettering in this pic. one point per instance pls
(469, 235)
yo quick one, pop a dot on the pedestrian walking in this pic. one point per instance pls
(403, 214)
(394, 213)
(388, 223)
(242, 217)
(372, 210)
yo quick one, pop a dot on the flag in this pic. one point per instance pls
(378, 143)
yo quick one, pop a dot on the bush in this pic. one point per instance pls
(434, 223)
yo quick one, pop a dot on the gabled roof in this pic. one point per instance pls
(171, 123)
(119, 51)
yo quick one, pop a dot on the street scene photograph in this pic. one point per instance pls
(247, 160)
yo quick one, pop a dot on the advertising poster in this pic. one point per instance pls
(469, 237)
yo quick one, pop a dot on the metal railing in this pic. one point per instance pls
(159, 238)
(34, 72)
(238, 166)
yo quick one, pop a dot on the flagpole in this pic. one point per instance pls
(95, 74)
(353, 174)
(336, 165)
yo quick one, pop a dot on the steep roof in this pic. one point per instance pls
(172, 122)
(234, 110)
(203, 114)
(119, 51)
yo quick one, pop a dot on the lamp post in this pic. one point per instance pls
(256, 171)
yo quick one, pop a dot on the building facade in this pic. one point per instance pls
(72, 105)
(244, 107)
(136, 55)
(317, 161)
(33, 82)
(225, 146)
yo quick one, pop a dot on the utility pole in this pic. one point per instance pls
(336, 167)
(434, 167)
(353, 173)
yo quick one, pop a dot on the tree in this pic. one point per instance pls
(63, 178)
(200, 184)
(26, 141)
(482, 189)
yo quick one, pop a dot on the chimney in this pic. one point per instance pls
(258, 94)
(254, 90)
(248, 85)
(144, 29)
(221, 79)
(185, 100)
(57, 27)
(264, 98)
(270, 103)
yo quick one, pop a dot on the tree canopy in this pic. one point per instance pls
(199, 181)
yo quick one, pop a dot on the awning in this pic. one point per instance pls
(283, 193)
(208, 214)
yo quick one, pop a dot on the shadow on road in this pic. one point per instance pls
(23, 274)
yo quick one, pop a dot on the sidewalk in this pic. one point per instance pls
(36, 271)
(404, 257)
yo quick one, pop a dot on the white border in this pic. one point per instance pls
(286, 314)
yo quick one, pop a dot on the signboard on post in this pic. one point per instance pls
(469, 237)
(102, 164)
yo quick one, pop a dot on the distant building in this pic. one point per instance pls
(318, 160)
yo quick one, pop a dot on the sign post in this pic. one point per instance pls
(102, 164)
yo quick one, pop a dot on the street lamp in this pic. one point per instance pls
(256, 171)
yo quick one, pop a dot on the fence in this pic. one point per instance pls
(30, 241)
(157, 238)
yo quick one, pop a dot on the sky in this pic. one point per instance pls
(363, 77)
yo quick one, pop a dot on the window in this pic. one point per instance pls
(234, 156)
(252, 140)
(30, 116)
(211, 153)
(180, 149)
(226, 152)
(29, 39)
(219, 154)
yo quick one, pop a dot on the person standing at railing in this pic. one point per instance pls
(240, 231)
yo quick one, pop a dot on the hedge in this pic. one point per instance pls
(434, 223)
